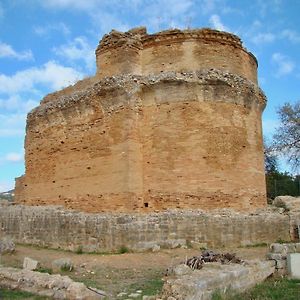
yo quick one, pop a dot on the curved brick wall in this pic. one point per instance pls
(136, 52)
(187, 137)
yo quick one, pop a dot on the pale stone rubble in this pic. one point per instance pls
(188, 284)
(7, 245)
(132, 83)
(54, 286)
(287, 202)
(279, 253)
(30, 264)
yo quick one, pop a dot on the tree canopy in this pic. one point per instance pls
(286, 140)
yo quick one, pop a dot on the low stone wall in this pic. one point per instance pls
(279, 252)
(54, 286)
(201, 284)
(57, 228)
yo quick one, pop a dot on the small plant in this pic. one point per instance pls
(272, 289)
(281, 241)
(189, 244)
(45, 270)
(257, 245)
(66, 268)
(123, 249)
(79, 250)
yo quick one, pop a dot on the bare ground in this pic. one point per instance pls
(115, 273)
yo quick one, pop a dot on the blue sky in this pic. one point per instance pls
(48, 44)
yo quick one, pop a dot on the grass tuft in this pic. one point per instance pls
(123, 249)
(272, 289)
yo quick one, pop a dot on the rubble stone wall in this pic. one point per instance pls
(214, 277)
(58, 228)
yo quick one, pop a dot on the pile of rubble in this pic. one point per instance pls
(197, 262)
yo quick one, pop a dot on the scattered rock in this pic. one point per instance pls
(182, 270)
(62, 264)
(134, 295)
(30, 264)
(155, 248)
(287, 202)
(149, 297)
(122, 294)
(7, 245)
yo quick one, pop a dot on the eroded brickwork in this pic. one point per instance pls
(171, 120)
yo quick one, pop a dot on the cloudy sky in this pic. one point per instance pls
(48, 44)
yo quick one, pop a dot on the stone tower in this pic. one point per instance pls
(170, 120)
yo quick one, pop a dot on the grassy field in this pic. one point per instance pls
(11, 295)
(273, 289)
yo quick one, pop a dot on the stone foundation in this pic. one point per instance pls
(65, 229)
(43, 284)
(201, 284)
(279, 253)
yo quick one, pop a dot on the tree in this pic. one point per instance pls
(286, 140)
(278, 183)
(271, 163)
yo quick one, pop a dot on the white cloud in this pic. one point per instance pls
(7, 51)
(71, 4)
(51, 74)
(107, 14)
(284, 65)
(177, 15)
(17, 103)
(291, 35)
(12, 125)
(79, 49)
(261, 38)
(14, 157)
(208, 6)
(216, 23)
(45, 31)
(6, 186)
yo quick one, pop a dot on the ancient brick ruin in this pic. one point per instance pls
(170, 120)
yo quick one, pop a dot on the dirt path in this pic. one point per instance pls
(117, 273)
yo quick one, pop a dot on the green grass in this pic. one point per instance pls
(272, 289)
(255, 245)
(149, 287)
(11, 295)
(79, 250)
(123, 249)
(44, 270)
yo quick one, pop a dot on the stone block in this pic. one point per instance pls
(275, 256)
(182, 270)
(287, 202)
(62, 263)
(155, 248)
(281, 264)
(297, 247)
(293, 263)
(278, 248)
(30, 264)
(7, 246)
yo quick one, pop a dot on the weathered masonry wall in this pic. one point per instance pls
(135, 143)
(56, 228)
(136, 52)
(171, 120)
